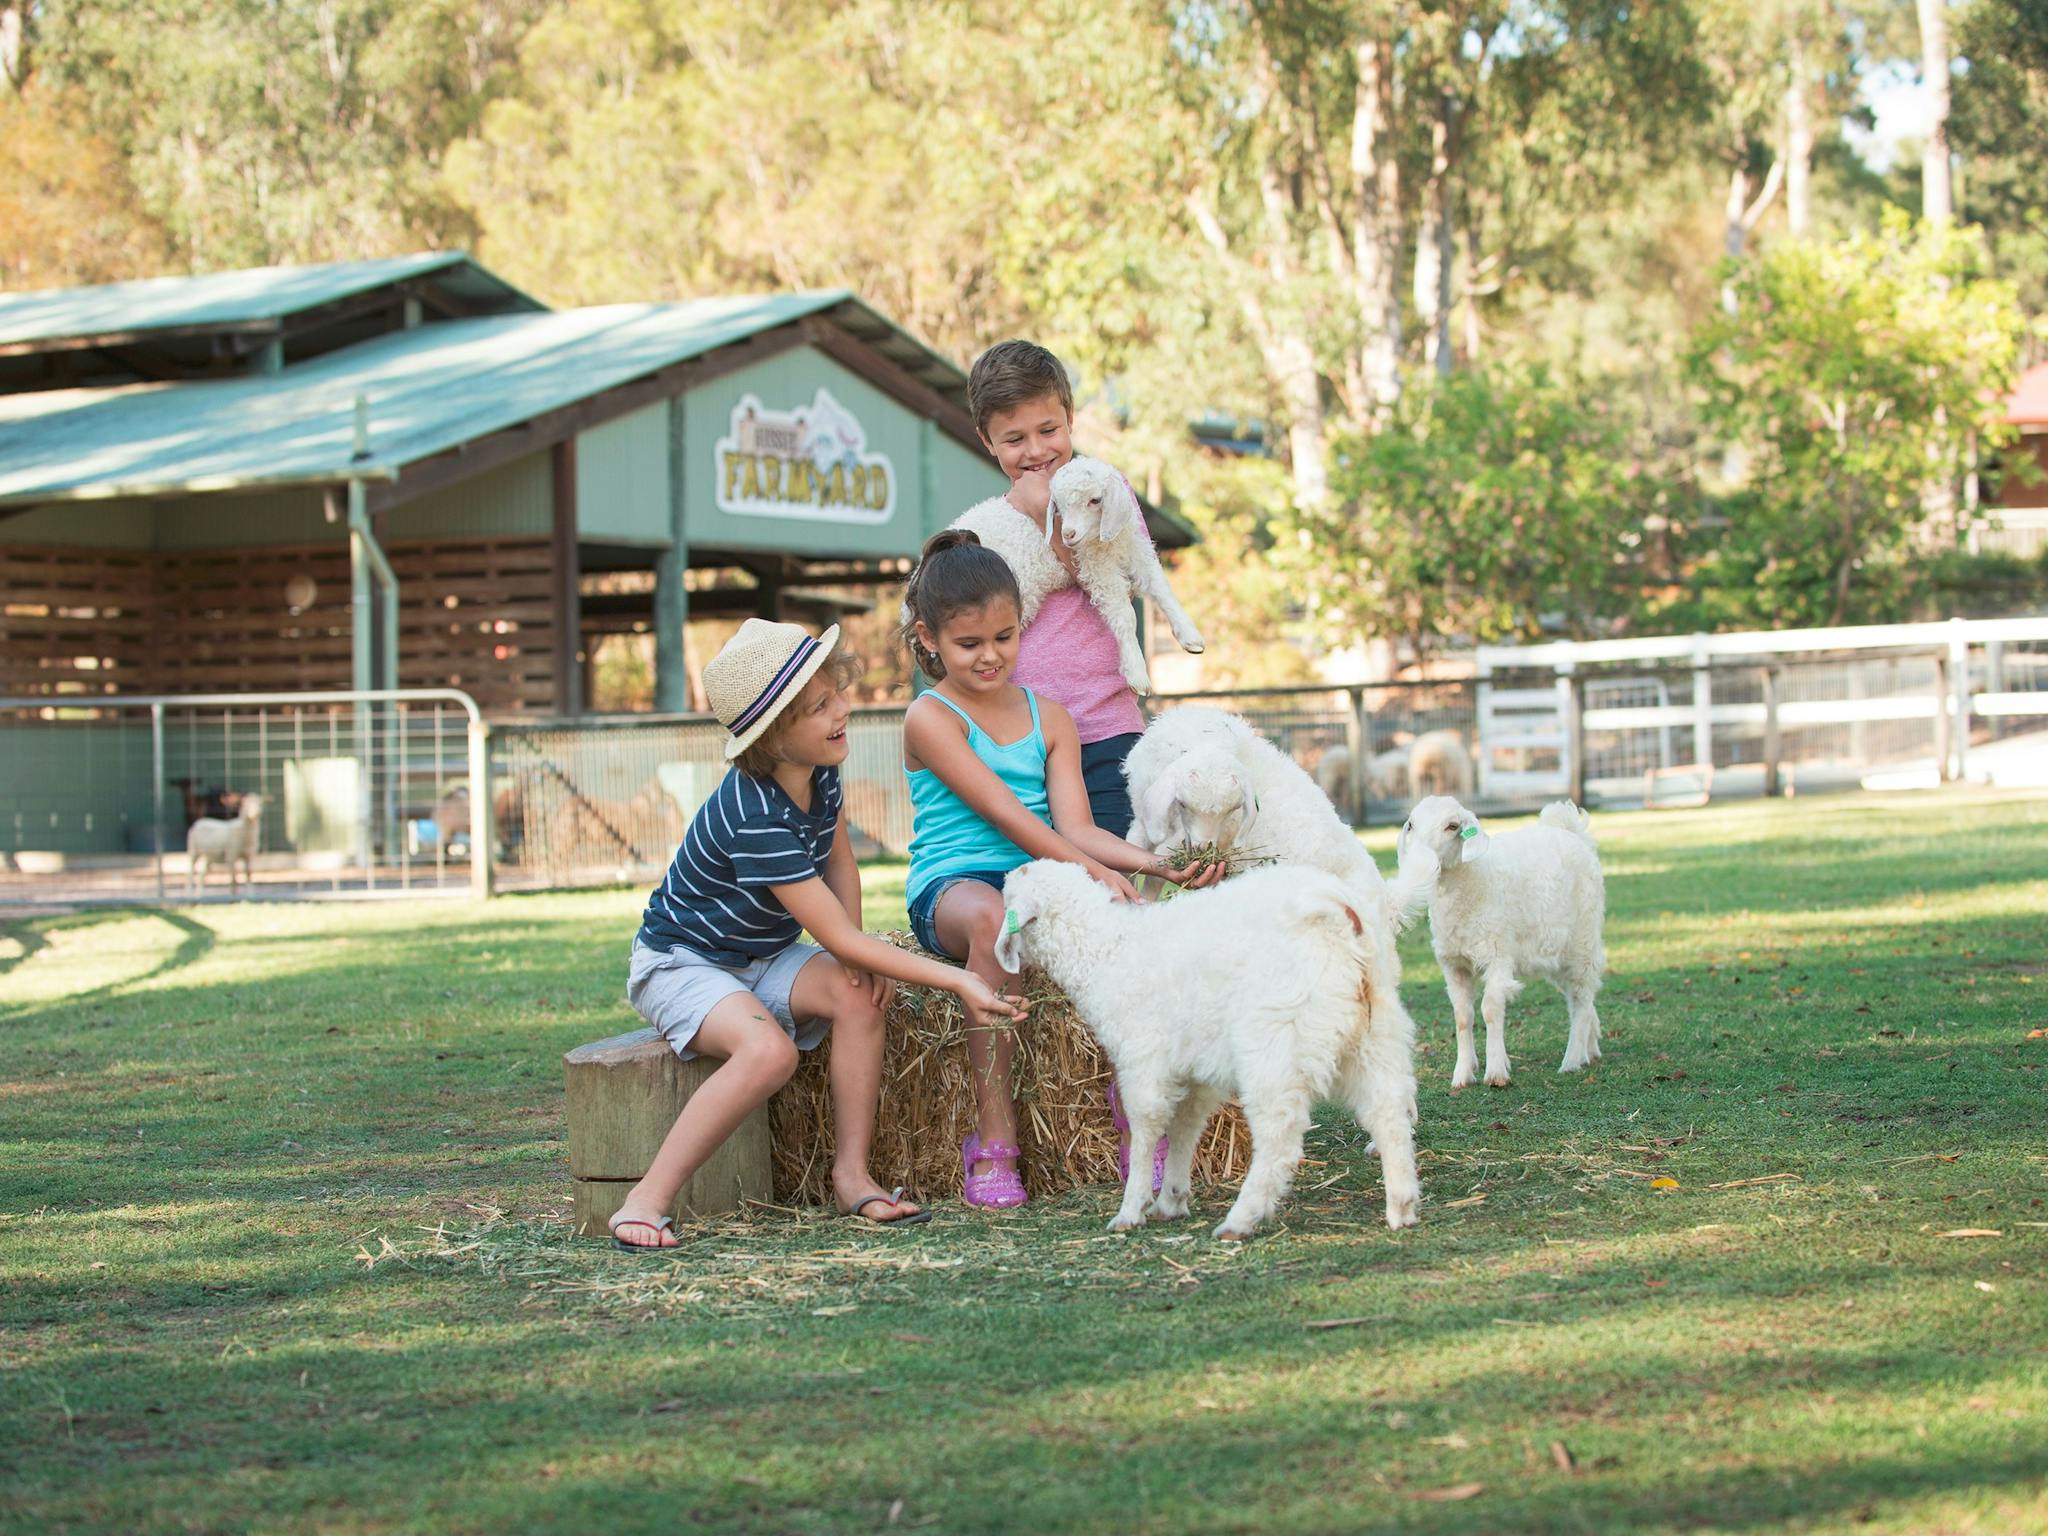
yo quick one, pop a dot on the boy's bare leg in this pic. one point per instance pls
(822, 991)
(758, 1060)
(969, 919)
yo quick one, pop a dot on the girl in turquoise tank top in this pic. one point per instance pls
(995, 781)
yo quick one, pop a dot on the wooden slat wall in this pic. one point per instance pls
(74, 620)
(475, 614)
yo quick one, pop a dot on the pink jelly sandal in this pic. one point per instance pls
(1123, 1144)
(1000, 1187)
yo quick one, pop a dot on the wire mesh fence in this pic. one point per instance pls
(151, 798)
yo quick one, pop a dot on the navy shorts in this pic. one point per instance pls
(1102, 770)
(924, 911)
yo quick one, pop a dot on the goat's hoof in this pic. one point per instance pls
(1170, 1209)
(1193, 650)
(1229, 1234)
(1500, 1080)
(1402, 1213)
(1123, 1223)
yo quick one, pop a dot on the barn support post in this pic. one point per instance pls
(568, 582)
(671, 598)
(373, 629)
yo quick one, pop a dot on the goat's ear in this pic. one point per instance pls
(1475, 840)
(1154, 810)
(1119, 509)
(1010, 942)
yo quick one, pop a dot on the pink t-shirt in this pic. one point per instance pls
(1068, 655)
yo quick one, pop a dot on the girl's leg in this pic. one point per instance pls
(969, 919)
(823, 990)
(759, 1057)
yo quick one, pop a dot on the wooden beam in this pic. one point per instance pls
(568, 596)
(893, 380)
(485, 453)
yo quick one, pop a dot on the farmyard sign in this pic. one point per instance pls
(808, 462)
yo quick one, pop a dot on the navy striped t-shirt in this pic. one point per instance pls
(748, 836)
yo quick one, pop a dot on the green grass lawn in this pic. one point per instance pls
(282, 1244)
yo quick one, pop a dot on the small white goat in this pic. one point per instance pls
(1386, 775)
(235, 841)
(1529, 902)
(1200, 776)
(1263, 989)
(1101, 523)
(1438, 764)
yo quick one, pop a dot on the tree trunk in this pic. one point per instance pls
(1937, 190)
(16, 58)
(1376, 230)
(1798, 155)
(1435, 248)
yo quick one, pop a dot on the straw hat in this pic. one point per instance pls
(760, 670)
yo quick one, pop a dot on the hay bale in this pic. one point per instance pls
(927, 1104)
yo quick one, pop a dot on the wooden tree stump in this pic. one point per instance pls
(623, 1097)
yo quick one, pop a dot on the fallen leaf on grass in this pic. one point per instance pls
(1446, 1495)
(1972, 1232)
(1664, 1183)
(830, 1311)
(1986, 1285)
(2037, 1034)
(1563, 1457)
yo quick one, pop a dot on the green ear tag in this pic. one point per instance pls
(1010, 923)
(1469, 832)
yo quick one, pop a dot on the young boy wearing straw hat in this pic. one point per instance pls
(718, 966)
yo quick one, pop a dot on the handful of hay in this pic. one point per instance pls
(1234, 859)
(927, 1104)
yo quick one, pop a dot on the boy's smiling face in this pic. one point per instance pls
(816, 734)
(1034, 436)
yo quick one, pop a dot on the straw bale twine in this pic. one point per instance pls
(927, 1104)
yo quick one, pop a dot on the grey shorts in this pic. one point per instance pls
(675, 990)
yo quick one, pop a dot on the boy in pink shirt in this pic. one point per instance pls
(1024, 410)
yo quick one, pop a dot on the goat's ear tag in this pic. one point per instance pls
(1010, 923)
(1470, 832)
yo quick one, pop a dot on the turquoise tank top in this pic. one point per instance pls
(947, 837)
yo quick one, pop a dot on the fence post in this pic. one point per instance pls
(1482, 695)
(1573, 688)
(156, 793)
(1702, 703)
(1959, 681)
(1944, 738)
(1358, 740)
(483, 834)
(1773, 743)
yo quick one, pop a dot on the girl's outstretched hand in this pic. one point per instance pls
(1120, 889)
(1197, 876)
(985, 1009)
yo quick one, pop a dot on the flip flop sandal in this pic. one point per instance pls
(910, 1219)
(662, 1224)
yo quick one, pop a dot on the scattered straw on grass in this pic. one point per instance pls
(927, 1104)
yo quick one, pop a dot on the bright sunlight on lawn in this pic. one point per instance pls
(282, 1245)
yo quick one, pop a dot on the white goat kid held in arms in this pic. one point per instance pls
(210, 838)
(1260, 989)
(1098, 517)
(1531, 902)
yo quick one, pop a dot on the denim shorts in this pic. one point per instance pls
(676, 989)
(1102, 771)
(924, 911)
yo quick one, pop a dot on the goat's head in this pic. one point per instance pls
(1093, 502)
(1204, 798)
(1032, 890)
(1446, 828)
(251, 808)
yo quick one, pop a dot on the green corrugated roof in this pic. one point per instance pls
(227, 300)
(429, 389)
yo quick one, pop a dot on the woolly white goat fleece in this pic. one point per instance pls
(1288, 818)
(1534, 898)
(1267, 988)
(1002, 528)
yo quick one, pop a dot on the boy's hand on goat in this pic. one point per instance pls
(985, 1008)
(1031, 492)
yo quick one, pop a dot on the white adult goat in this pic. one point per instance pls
(210, 838)
(1264, 989)
(1526, 903)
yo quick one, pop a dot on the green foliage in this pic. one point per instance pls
(1851, 374)
(1999, 126)
(1497, 503)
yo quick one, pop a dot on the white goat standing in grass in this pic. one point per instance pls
(235, 841)
(1263, 989)
(1526, 903)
